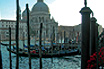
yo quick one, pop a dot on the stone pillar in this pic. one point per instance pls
(93, 35)
(85, 30)
(97, 40)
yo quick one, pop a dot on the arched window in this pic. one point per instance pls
(36, 20)
(43, 19)
(39, 19)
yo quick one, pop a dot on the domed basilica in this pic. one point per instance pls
(40, 14)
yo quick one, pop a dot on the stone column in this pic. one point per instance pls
(97, 39)
(85, 30)
(93, 35)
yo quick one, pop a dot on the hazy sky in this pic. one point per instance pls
(65, 12)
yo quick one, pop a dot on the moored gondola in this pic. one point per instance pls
(24, 53)
(5, 44)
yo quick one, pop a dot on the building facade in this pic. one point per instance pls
(70, 32)
(4, 29)
(74, 32)
(39, 14)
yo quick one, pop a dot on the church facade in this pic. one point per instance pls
(39, 14)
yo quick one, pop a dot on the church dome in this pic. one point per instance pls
(40, 7)
(25, 13)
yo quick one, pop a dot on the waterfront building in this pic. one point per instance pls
(4, 29)
(74, 32)
(71, 33)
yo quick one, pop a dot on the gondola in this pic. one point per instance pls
(46, 55)
(7, 44)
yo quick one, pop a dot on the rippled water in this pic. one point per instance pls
(68, 62)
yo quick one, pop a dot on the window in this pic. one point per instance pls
(6, 25)
(36, 20)
(11, 25)
(43, 19)
(39, 19)
(2, 25)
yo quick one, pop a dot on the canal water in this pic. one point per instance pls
(67, 62)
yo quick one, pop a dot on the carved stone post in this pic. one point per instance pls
(93, 36)
(85, 44)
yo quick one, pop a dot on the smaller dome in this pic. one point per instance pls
(40, 6)
(24, 13)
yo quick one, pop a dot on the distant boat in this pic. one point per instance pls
(46, 55)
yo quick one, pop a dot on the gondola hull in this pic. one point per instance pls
(45, 55)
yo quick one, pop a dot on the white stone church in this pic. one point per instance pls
(39, 14)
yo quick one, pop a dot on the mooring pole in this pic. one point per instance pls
(64, 39)
(64, 36)
(23, 42)
(17, 35)
(28, 36)
(61, 37)
(44, 39)
(61, 40)
(57, 38)
(40, 44)
(10, 47)
(52, 41)
(53, 34)
(52, 47)
(85, 44)
(0, 55)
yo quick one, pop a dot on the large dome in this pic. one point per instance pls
(40, 7)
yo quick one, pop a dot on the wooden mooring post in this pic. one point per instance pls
(23, 42)
(40, 44)
(64, 39)
(52, 41)
(28, 36)
(64, 36)
(52, 47)
(61, 40)
(44, 38)
(17, 35)
(10, 48)
(1, 66)
(85, 44)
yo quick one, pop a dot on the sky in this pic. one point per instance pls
(65, 12)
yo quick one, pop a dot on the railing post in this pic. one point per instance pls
(97, 40)
(85, 44)
(93, 36)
